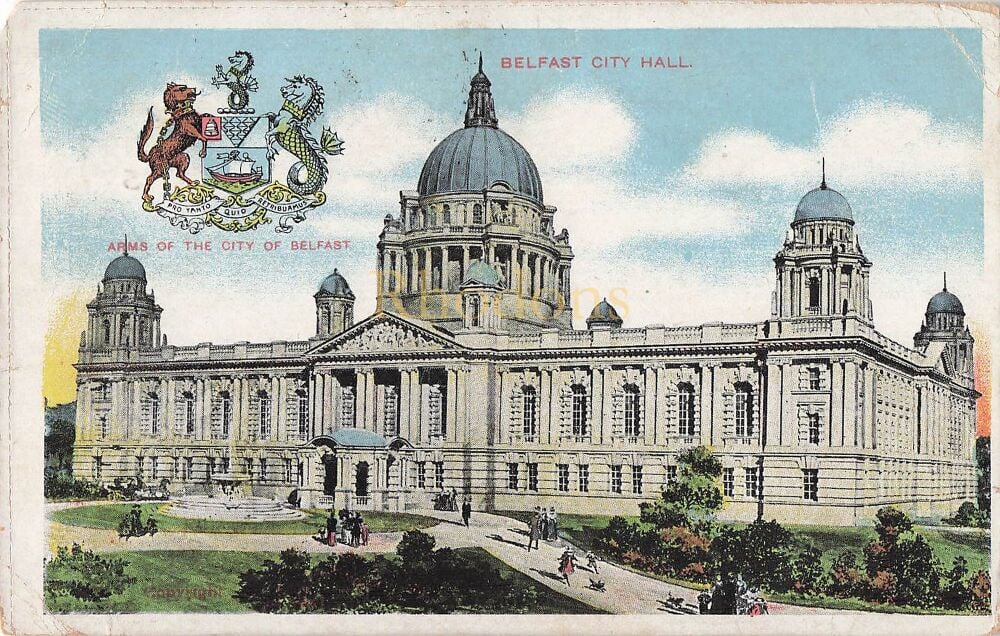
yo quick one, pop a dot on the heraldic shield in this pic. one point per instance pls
(236, 190)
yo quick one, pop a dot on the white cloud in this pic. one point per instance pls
(873, 144)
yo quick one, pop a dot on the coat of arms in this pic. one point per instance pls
(235, 190)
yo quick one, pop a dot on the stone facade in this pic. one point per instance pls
(470, 377)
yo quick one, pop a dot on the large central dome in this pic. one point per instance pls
(474, 158)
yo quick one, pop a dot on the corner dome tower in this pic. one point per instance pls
(125, 267)
(334, 306)
(944, 323)
(476, 157)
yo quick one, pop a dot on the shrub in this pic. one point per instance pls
(762, 552)
(61, 486)
(969, 516)
(979, 591)
(846, 577)
(807, 571)
(906, 556)
(279, 587)
(617, 538)
(693, 498)
(677, 548)
(85, 576)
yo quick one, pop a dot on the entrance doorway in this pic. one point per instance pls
(361, 480)
(330, 475)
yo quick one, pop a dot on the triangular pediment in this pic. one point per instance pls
(386, 332)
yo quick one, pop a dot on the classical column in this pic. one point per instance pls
(461, 405)
(837, 403)
(555, 383)
(244, 422)
(360, 398)
(169, 408)
(371, 417)
(314, 428)
(775, 417)
(597, 406)
(282, 433)
(717, 414)
(451, 395)
(277, 406)
(416, 417)
(649, 408)
(544, 399)
(206, 400)
(660, 420)
(851, 435)
(135, 419)
(705, 395)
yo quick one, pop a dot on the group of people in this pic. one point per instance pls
(732, 595)
(446, 500)
(346, 527)
(544, 526)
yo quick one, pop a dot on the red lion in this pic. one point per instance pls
(170, 152)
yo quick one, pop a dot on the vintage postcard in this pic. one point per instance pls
(396, 317)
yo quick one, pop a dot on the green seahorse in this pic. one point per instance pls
(237, 79)
(290, 130)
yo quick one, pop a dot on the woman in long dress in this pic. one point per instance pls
(331, 530)
(567, 564)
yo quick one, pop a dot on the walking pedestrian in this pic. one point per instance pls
(365, 531)
(567, 563)
(543, 521)
(466, 510)
(534, 531)
(554, 523)
(356, 530)
(592, 562)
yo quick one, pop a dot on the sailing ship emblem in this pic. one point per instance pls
(236, 190)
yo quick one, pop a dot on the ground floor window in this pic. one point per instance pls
(563, 477)
(96, 471)
(810, 484)
(302, 474)
(248, 467)
(421, 475)
(671, 474)
(751, 478)
(636, 480)
(187, 470)
(288, 471)
(439, 475)
(212, 466)
(512, 475)
(533, 477)
(728, 482)
(263, 469)
(583, 477)
(616, 478)
(154, 474)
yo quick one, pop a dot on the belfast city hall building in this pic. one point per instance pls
(471, 376)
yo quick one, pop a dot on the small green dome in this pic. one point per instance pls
(481, 273)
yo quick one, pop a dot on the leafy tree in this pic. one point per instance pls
(906, 556)
(762, 552)
(59, 445)
(85, 576)
(692, 499)
(983, 475)
(279, 587)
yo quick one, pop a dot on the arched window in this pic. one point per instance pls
(685, 409)
(154, 414)
(144, 331)
(477, 214)
(446, 215)
(264, 411)
(324, 324)
(744, 410)
(529, 412)
(107, 331)
(633, 412)
(579, 411)
(227, 413)
(813, 292)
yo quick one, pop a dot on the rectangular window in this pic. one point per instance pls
(810, 484)
(439, 475)
(671, 474)
(288, 470)
(263, 469)
(189, 415)
(728, 482)
(248, 467)
(583, 477)
(533, 477)
(563, 477)
(303, 414)
(752, 482)
(814, 428)
(616, 478)
(225, 465)
(152, 461)
(421, 475)
(512, 470)
(227, 415)
(636, 480)
(265, 417)
(814, 379)
(211, 466)
(139, 464)
(188, 468)
(104, 426)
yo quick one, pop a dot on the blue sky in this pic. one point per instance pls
(674, 184)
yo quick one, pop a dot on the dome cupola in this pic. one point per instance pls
(125, 267)
(480, 155)
(823, 204)
(335, 285)
(604, 316)
(945, 302)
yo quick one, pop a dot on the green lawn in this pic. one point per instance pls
(108, 517)
(205, 581)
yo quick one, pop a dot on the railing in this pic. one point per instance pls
(362, 500)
